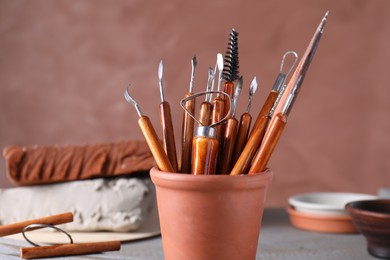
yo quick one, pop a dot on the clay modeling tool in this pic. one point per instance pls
(63, 249)
(205, 146)
(303, 64)
(245, 123)
(281, 79)
(188, 125)
(18, 227)
(275, 92)
(151, 137)
(230, 70)
(243, 162)
(218, 102)
(279, 119)
(166, 123)
(206, 106)
(230, 135)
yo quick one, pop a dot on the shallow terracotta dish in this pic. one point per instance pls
(321, 223)
(372, 219)
(326, 203)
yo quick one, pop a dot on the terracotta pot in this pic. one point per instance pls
(210, 216)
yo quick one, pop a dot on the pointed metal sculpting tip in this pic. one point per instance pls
(323, 22)
(237, 93)
(160, 78)
(220, 70)
(252, 90)
(194, 62)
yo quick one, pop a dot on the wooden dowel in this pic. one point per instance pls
(187, 135)
(69, 249)
(205, 150)
(154, 144)
(267, 106)
(168, 134)
(244, 160)
(242, 135)
(269, 143)
(228, 88)
(50, 220)
(228, 143)
(205, 113)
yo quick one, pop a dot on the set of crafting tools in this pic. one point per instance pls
(216, 141)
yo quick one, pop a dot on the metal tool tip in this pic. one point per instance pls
(253, 86)
(323, 22)
(160, 69)
(220, 62)
(194, 62)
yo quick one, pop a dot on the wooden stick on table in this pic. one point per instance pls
(69, 249)
(51, 220)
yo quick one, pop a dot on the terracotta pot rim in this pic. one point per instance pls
(185, 181)
(293, 211)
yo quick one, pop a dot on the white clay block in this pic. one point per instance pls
(120, 204)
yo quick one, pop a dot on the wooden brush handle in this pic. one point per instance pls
(168, 133)
(244, 160)
(204, 155)
(69, 249)
(228, 88)
(187, 135)
(228, 143)
(49, 220)
(268, 145)
(242, 136)
(268, 104)
(154, 144)
(205, 113)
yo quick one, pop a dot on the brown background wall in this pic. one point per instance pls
(64, 66)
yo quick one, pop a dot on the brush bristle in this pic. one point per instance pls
(230, 70)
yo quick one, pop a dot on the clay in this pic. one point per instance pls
(120, 204)
(49, 164)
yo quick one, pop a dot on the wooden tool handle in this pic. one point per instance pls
(228, 88)
(187, 136)
(69, 249)
(242, 135)
(49, 220)
(204, 155)
(244, 160)
(228, 143)
(268, 145)
(168, 133)
(268, 104)
(217, 115)
(154, 144)
(205, 113)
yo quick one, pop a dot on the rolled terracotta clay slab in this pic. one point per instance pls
(50, 164)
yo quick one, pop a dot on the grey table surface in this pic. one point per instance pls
(278, 240)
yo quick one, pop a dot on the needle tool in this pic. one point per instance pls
(151, 137)
(166, 123)
(205, 146)
(218, 102)
(279, 119)
(243, 162)
(303, 64)
(206, 106)
(230, 70)
(245, 123)
(230, 135)
(188, 125)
